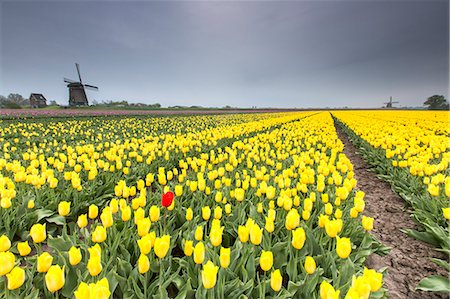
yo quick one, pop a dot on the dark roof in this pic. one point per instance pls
(37, 96)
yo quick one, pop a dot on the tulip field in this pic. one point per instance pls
(210, 206)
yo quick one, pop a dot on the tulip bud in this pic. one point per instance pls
(143, 226)
(126, 213)
(292, 219)
(24, 248)
(106, 217)
(343, 247)
(276, 280)
(327, 291)
(225, 254)
(206, 213)
(143, 264)
(38, 233)
(64, 208)
(145, 244)
(199, 253)
(188, 247)
(209, 275)
(93, 211)
(266, 260)
(55, 279)
(94, 265)
(162, 246)
(44, 261)
(199, 233)
(243, 233)
(446, 212)
(154, 213)
(310, 265)
(189, 214)
(74, 255)
(256, 234)
(16, 278)
(367, 223)
(215, 236)
(298, 238)
(30, 204)
(5, 243)
(82, 221)
(99, 234)
(7, 260)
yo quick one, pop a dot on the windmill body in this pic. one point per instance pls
(77, 93)
(389, 104)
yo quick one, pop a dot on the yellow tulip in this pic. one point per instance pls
(310, 265)
(270, 226)
(206, 213)
(125, 213)
(367, 223)
(95, 250)
(7, 261)
(55, 279)
(162, 246)
(327, 291)
(446, 213)
(94, 265)
(16, 278)
(225, 255)
(276, 280)
(266, 260)
(209, 275)
(218, 212)
(154, 213)
(83, 291)
(199, 233)
(93, 211)
(5, 243)
(82, 221)
(24, 248)
(189, 214)
(332, 228)
(228, 208)
(178, 190)
(44, 262)
(343, 247)
(64, 208)
(143, 226)
(38, 233)
(143, 264)
(256, 234)
(188, 247)
(74, 255)
(145, 244)
(99, 234)
(106, 217)
(374, 279)
(243, 233)
(215, 236)
(199, 253)
(292, 219)
(298, 238)
(101, 290)
(30, 204)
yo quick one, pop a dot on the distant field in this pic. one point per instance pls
(12, 113)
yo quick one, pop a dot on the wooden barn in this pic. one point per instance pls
(37, 100)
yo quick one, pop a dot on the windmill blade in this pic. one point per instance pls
(91, 87)
(69, 80)
(78, 70)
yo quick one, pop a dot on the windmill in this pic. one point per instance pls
(77, 94)
(389, 104)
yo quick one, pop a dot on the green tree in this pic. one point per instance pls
(437, 102)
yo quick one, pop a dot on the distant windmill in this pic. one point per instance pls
(77, 94)
(389, 104)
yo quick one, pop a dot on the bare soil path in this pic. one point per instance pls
(409, 259)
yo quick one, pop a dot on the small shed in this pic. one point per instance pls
(37, 100)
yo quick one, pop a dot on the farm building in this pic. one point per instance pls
(37, 100)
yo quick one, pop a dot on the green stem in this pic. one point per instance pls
(145, 284)
(160, 278)
(6, 289)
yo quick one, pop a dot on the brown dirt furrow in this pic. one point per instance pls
(409, 259)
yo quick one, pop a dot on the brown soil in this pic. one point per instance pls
(409, 259)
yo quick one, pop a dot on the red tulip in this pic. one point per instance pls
(167, 199)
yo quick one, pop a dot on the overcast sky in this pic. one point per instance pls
(264, 54)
